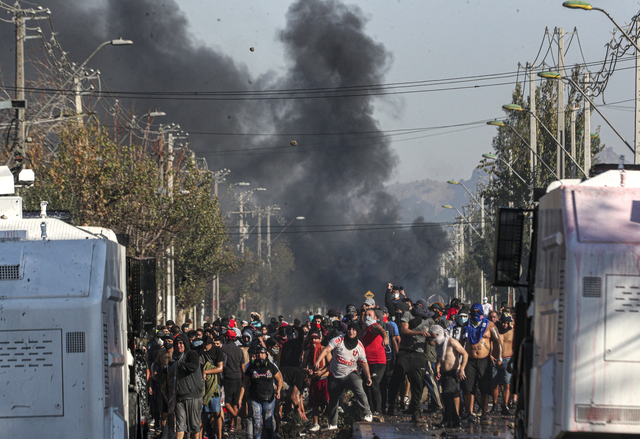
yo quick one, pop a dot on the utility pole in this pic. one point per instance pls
(636, 158)
(218, 177)
(259, 234)
(561, 126)
(533, 127)
(171, 291)
(587, 126)
(270, 210)
(574, 171)
(20, 112)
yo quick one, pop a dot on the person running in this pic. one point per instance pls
(347, 352)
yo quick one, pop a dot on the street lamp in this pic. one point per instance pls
(499, 123)
(586, 6)
(462, 217)
(495, 157)
(557, 76)
(471, 195)
(516, 107)
(270, 241)
(118, 42)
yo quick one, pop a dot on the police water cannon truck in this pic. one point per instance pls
(577, 342)
(69, 366)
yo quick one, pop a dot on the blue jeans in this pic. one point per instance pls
(262, 410)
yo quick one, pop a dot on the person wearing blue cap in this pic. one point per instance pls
(479, 333)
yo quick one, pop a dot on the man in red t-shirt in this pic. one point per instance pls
(375, 340)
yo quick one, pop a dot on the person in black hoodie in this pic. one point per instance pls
(189, 387)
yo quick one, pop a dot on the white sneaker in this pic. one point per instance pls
(332, 427)
(315, 427)
(368, 418)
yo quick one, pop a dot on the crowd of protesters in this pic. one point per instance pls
(394, 357)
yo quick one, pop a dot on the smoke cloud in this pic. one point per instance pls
(332, 179)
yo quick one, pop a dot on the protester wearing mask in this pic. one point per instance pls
(318, 385)
(455, 329)
(449, 371)
(259, 380)
(351, 314)
(375, 340)
(479, 334)
(393, 297)
(411, 357)
(189, 388)
(346, 352)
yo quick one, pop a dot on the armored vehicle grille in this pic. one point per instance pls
(75, 343)
(9, 272)
(591, 286)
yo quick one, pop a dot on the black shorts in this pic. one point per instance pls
(232, 391)
(478, 371)
(449, 381)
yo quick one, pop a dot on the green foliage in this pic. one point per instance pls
(123, 188)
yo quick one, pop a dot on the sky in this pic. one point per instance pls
(439, 40)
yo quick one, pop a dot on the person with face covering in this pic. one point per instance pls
(318, 385)
(189, 388)
(449, 371)
(263, 382)
(346, 352)
(411, 358)
(479, 334)
(375, 340)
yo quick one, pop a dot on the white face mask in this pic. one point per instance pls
(368, 320)
(439, 339)
(396, 296)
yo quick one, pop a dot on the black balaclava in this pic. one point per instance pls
(351, 343)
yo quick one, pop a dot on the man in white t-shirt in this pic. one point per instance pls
(486, 307)
(346, 353)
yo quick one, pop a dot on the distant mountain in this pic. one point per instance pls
(608, 155)
(426, 197)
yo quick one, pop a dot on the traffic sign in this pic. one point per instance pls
(368, 295)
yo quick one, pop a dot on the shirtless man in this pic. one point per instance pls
(479, 334)
(449, 370)
(502, 377)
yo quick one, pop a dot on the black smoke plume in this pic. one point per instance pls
(333, 179)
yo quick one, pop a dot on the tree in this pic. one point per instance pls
(120, 188)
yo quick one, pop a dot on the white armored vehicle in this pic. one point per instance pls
(578, 344)
(65, 363)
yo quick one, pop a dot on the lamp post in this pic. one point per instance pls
(118, 42)
(499, 123)
(495, 157)
(516, 107)
(586, 6)
(462, 217)
(557, 76)
(270, 241)
(480, 205)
